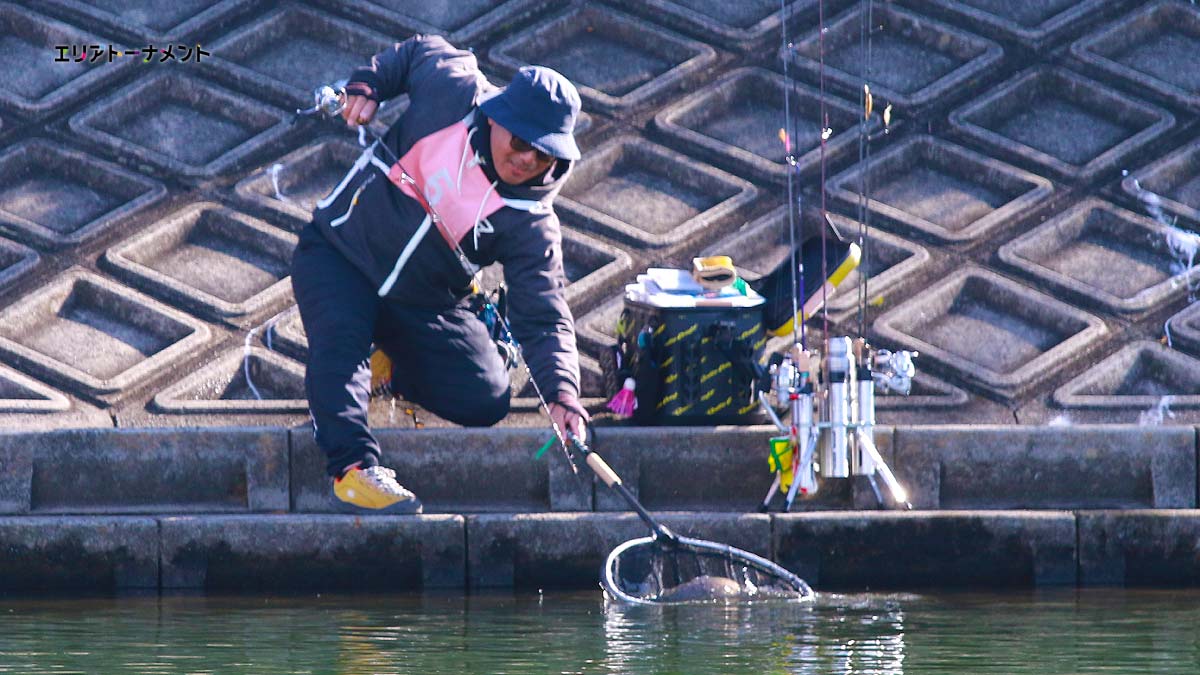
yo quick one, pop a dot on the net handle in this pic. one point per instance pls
(603, 471)
(601, 468)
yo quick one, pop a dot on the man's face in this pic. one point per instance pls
(515, 160)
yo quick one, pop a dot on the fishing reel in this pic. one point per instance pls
(782, 378)
(891, 371)
(894, 371)
(328, 101)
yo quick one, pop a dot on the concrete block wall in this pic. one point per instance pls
(224, 509)
(259, 470)
(849, 550)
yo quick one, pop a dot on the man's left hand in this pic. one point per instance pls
(567, 420)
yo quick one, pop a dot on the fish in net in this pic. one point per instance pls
(668, 568)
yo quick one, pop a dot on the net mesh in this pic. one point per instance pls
(650, 571)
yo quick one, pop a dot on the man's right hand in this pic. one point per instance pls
(358, 110)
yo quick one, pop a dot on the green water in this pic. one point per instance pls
(1067, 632)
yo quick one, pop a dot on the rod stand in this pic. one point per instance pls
(831, 402)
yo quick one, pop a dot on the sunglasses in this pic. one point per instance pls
(519, 145)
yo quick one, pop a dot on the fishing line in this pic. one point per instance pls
(246, 365)
(824, 127)
(793, 199)
(866, 23)
(268, 329)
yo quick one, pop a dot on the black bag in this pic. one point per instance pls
(694, 365)
(701, 365)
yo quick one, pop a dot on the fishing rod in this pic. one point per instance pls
(328, 103)
(831, 396)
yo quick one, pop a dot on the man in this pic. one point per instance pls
(389, 256)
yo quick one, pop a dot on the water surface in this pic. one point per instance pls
(1056, 632)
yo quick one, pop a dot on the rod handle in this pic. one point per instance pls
(603, 470)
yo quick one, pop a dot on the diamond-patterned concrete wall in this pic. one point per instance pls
(54, 195)
(1030, 209)
(917, 61)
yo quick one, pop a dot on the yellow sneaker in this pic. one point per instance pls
(381, 374)
(375, 489)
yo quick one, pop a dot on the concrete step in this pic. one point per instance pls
(244, 470)
(832, 550)
(158, 471)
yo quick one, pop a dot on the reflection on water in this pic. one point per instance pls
(1051, 633)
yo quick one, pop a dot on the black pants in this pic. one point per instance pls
(443, 360)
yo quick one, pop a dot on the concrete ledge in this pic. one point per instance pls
(459, 471)
(634, 191)
(94, 554)
(224, 470)
(1139, 548)
(1115, 49)
(932, 60)
(1030, 119)
(165, 24)
(313, 552)
(21, 394)
(1142, 376)
(940, 190)
(90, 194)
(261, 55)
(1102, 466)
(239, 381)
(557, 550)
(42, 90)
(723, 123)
(220, 131)
(709, 469)
(210, 259)
(1062, 253)
(831, 550)
(143, 471)
(463, 23)
(922, 549)
(1032, 25)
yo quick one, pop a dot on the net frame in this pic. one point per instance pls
(693, 558)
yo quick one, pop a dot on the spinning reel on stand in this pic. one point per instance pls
(831, 400)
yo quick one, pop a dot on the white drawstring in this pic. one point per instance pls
(479, 213)
(462, 162)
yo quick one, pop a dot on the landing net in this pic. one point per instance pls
(653, 571)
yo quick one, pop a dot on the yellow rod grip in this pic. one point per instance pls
(602, 470)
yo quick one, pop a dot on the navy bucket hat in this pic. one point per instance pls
(539, 106)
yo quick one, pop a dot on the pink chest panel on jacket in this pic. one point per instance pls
(454, 186)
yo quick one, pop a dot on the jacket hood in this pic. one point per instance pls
(542, 188)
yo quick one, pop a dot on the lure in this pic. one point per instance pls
(625, 402)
